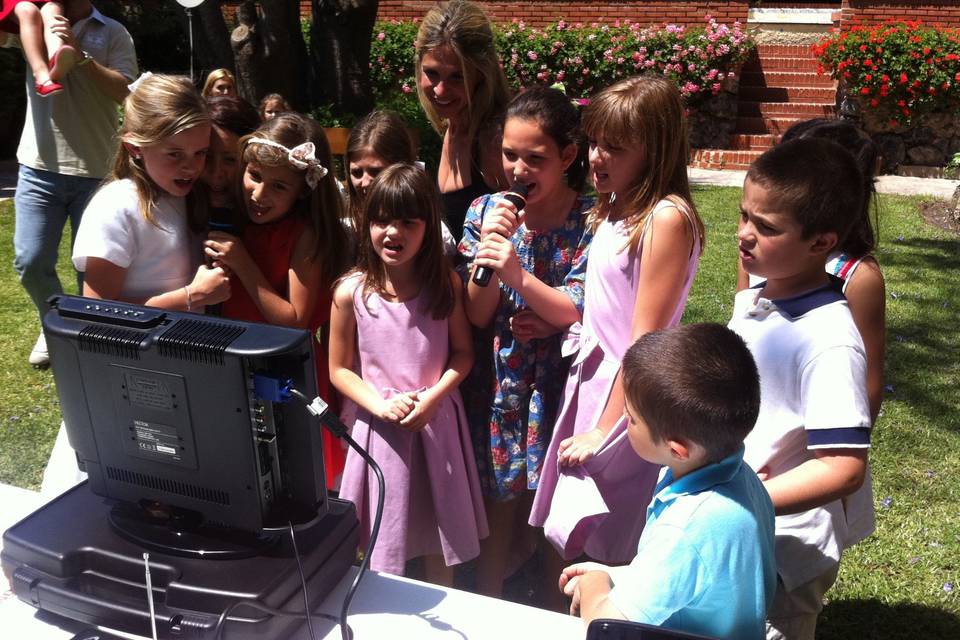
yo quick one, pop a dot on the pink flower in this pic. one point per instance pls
(381, 36)
(532, 55)
(406, 88)
(586, 71)
(561, 25)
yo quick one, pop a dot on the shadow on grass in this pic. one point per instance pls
(923, 330)
(872, 619)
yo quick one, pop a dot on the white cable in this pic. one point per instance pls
(153, 615)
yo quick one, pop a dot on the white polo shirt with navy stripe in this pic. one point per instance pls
(813, 395)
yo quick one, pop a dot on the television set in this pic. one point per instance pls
(171, 415)
(193, 455)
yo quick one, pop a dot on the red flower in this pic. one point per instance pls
(863, 47)
(865, 91)
(868, 77)
(874, 102)
(926, 51)
(883, 90)
(901, 103)
(903, 78)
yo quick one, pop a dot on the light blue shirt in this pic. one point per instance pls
(705, 562)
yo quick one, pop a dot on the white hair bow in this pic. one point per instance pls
(133, 86)
(303, 157)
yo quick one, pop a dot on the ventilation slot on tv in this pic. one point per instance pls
(111, 341)
(170, 486)
(197, 341)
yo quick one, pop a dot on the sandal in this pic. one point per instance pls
(47, 88)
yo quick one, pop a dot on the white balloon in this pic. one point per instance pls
(189, 4)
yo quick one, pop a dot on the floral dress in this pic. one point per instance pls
(514, 390)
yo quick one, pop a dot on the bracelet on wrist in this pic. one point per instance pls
(186, 289)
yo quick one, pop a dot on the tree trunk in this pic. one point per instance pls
(211, 38)
(340, 51)
(269, 51)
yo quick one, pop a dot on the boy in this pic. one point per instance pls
(811, 439)
(705, 561)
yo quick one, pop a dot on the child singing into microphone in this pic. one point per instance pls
(538, 257)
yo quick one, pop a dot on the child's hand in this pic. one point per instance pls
(498, 253)
(226, 250)
(527, 325)
(424, 410)
(502, 219)
(60, 27)
(211, 285)
(396, 408)
(578, 449)
(569, 576)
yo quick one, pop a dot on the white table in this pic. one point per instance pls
(384, 607)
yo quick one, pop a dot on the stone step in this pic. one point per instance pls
(781, 63)
(787, 50)
(784, 79)
(722, 158)
(800, 110)
(752, 142)
(795, 93)
(761, 125)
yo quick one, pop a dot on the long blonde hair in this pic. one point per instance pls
(321, 208)
(645, 112)
(465, 28)
(160, 107)
(218, 74)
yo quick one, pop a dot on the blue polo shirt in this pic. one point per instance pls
(705, 562)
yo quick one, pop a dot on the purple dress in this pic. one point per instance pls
(599, 507)
(433, 503)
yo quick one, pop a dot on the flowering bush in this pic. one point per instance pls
(584, 58)
(905, 68)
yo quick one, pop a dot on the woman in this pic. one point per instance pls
(463, 92)
(220, 82)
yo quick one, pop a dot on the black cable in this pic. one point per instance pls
(345, 632)
(253, 604)
(303, 581)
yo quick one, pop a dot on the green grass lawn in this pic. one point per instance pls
(901, 583)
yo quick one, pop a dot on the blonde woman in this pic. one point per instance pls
(220, 82)
(463, 92)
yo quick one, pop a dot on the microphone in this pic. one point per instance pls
(517, 196)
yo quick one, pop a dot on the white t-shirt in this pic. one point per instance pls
(813, 395)
(158, 257)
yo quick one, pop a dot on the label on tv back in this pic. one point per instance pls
(161, 439)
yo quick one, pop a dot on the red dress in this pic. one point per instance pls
(271, 246)
(7, 22)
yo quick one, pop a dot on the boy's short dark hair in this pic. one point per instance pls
(816, 181)
(697, 382)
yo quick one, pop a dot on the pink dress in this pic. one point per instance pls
(433, 502)
(599, 508)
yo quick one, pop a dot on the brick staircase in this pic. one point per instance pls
(779, 87)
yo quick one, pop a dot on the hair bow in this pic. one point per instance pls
(303, 157)
(133, 86)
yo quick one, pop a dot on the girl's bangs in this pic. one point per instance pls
(384, 207)
(610, 118)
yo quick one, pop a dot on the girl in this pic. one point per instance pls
(136, 239)
(232, 118)
(539, 260)
(271, 105)
(32, 20)
(220, 82)
(292, 246)
(853, 261)
(400, 345)
(379, 140)
(648, 239)
(463, 92)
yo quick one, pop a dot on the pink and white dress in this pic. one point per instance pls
(433, 503)
(599, 507)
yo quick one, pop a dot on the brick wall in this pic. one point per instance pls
(945, 13)
(544, 12)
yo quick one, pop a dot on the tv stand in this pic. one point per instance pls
(67, 558)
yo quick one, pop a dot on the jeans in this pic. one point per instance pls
(43, 203)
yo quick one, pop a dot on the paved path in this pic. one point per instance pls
(901, 185)
(8, 178)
